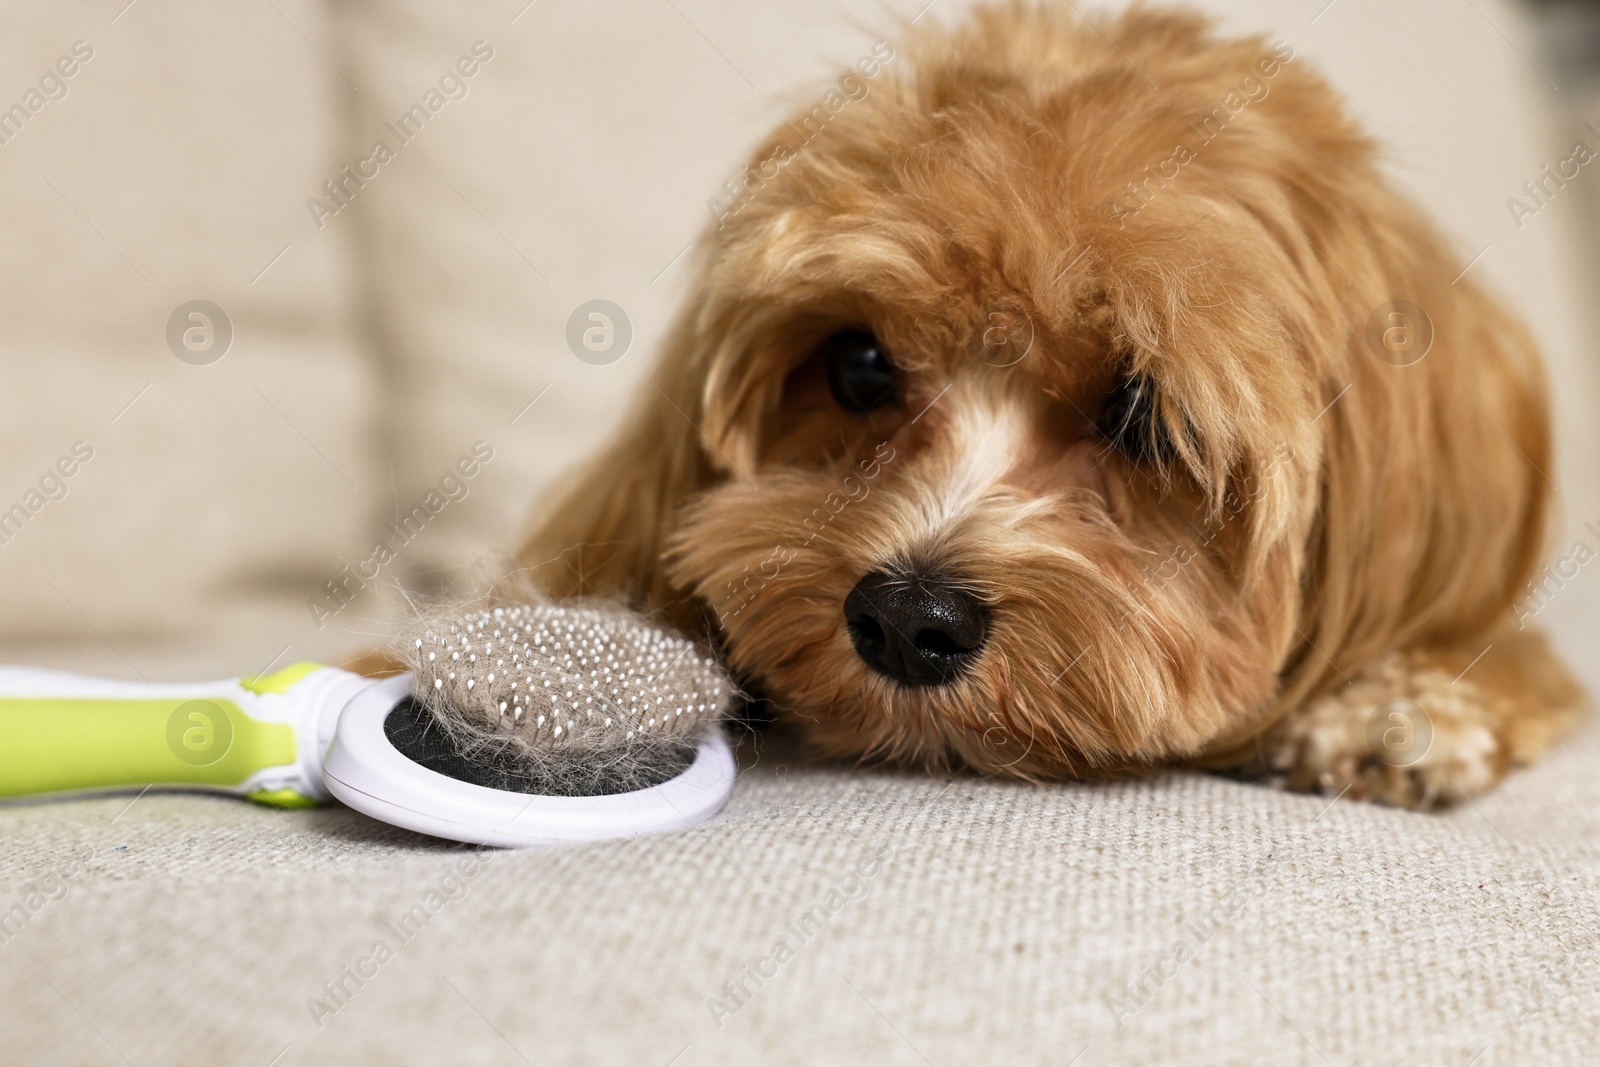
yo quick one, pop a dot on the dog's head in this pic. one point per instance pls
(1054, 398)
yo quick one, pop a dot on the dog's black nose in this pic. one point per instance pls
(918, 630)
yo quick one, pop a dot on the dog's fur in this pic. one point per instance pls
(1323, 531)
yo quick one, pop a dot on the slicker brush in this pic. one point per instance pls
(556, 699)
(517, 726)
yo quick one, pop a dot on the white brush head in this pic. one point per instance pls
(562, 699)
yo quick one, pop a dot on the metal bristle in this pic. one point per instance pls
(574, 690)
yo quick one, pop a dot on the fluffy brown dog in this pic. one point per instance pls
(1068, 400)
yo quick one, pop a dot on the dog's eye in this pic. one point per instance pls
(860, 374)
(1129, 423)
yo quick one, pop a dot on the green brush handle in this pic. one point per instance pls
(253, 737)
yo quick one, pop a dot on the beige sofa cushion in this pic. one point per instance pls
(176, 167)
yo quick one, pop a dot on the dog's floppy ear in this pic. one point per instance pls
(603, 532)
(1436, 456)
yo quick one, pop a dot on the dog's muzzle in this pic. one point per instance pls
(917, 629)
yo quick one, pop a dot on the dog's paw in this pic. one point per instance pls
(1400, 734)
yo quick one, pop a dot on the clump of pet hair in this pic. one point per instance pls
(566, 699)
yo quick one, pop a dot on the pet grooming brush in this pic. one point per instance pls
(515, 726)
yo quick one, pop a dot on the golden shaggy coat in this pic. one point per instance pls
(1310, 576)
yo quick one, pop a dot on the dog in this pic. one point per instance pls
(1076, 399)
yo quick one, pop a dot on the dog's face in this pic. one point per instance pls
(970, 531)
(1009, 421)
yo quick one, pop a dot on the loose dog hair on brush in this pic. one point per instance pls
(562, 700)
(991, 603)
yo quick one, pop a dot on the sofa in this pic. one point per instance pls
(246, 351)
